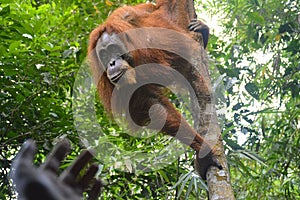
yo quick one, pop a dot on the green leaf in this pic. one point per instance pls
(27, 27)
(189, 189)
(10, 72)
(233, 72)
(295, 88)
(232, 144)
(257, 18)
(237, 106)
(184, 183)
(252, 156)
(181, 179)
(50, 47)
(163, 174)
(252, 89)
(14, 46)
(5, 1)
(5, 11)
(11, 134)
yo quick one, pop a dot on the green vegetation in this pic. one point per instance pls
(43, 44)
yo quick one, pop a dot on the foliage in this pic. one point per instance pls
(258, 51)
(43, 44)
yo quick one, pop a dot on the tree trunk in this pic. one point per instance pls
(206, 122)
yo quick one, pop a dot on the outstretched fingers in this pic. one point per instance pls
(95, 190)
(57, 155)
(27, 152)
(22, 164)
(88, 177)
(69, 175)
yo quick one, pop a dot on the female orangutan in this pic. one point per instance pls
(114, 54)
